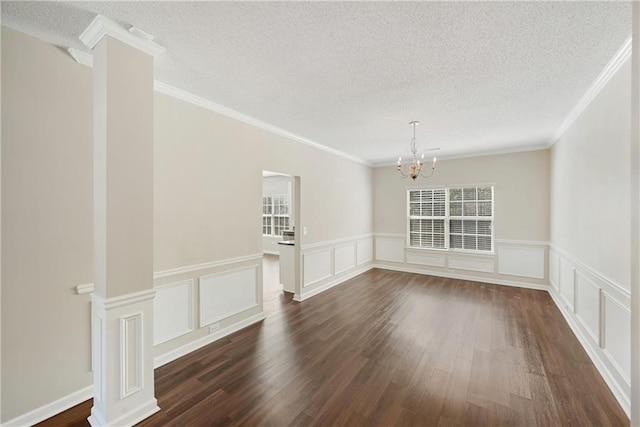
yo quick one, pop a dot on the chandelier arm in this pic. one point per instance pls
(402, 174)
(430, 173)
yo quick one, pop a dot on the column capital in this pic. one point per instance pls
(134, 37)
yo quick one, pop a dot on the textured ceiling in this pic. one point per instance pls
(479, 76)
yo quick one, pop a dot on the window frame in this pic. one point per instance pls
(273, 215)
(448, 218)
(446, 223)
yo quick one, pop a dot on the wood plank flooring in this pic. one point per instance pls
(388, 349)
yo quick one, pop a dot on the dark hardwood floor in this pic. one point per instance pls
(388, 348)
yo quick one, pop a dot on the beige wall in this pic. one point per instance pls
(208, 186)
(207, 207)
(521, 192)
(590, 178)
(46, 223)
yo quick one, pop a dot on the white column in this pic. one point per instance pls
(635, 219)
(122, 302)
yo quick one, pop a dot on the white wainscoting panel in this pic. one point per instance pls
(596, 309)
(172, 311)
(480, 264)
(567, 283)
(390, 249)
(554, 269)
(316, 266)
(344, 258)
(429, 259)
(617, 334)
(521, 261)
(224, 294)
(131, 358)
(364, 251)
(587, 307)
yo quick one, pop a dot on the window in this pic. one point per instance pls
(427, 210)
(275, 215)
(459, 218)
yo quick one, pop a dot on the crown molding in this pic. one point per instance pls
(87, 59)
(217, 108)
(478, 153)
(81, 57)
(621, 56)
(101, 26)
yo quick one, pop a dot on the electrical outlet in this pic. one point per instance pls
(214, 328)
(304, 231)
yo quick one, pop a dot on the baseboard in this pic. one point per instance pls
(343, 278)
(619, 393)
(194, 345)
(50, 409)
(128, 419)
(481, 279)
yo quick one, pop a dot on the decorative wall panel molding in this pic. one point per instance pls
(597, 310)
(554, 270)
(173, 311)
(390, 249)
(617, 335)
(131, 357)
(567, 283)
(364, 251)
(587, 307)
(521, 261)
(228, 293)
(428, 259)
(327, 264)
(519, 258)
(344, 258)
(485, 265)
(122, 358)
(611, 286)
(317, 265)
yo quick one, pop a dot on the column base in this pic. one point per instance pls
(122, 350)
(129, 419)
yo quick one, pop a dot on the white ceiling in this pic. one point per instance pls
(480, 76)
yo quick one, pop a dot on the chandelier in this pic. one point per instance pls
(414, 169)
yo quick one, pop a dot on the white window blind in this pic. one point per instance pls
(427, 216)
(458, 218)
(275, 215)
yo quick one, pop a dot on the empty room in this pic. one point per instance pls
(319, 213)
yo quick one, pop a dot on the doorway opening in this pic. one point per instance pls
(280, 243)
